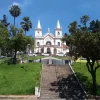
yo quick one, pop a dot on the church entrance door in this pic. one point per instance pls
(42, 50)
(48, 50)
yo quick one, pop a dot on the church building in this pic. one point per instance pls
(49, 43)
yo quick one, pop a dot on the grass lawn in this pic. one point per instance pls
(19, 78)
(85, 77)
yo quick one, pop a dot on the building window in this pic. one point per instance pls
(58, 43)
(38, 43)
(58, 33)
(48, 43)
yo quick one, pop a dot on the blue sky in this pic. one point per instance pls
(49, 11)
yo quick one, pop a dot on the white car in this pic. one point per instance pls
(3, 57)
(60, 54)
(45, 54)
(20, 52)
(32, 54)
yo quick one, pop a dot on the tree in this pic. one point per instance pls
(84, 20)
(87, 44)
(26, 24)
(72, 27)
(30, 44)
(18, 41)
(3, 35)
(4, 21)
(95, 26)
(15, 11)
(66, 38)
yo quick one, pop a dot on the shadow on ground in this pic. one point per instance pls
(69, 88)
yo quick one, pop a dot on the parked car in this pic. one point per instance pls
(45, 54)
(3, 57)
(60, 54)
(32, 54)
(20, 52)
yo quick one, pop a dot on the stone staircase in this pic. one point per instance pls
(59, 83)
(49, 80)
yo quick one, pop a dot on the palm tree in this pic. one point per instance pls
(72, 27)
(26, 24)
(84, 20)
(15, 11)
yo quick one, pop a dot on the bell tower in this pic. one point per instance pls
(58, 30)
(38, 30)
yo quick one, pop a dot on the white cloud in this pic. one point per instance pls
(15, 3)
(23, 5)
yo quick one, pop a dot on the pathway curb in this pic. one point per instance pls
(9, 97)
(77, 79)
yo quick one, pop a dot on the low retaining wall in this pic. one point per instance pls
(77, 78)
(9, 97)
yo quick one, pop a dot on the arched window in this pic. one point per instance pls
(48, 43)
(58, 33)
(38, 43)
(58, 43)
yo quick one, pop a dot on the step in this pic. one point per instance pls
(48, 88)
(49, 92)
(50, 99)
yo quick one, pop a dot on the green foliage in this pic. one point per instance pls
(13, 31)
(72, 27)
(3, 34)
(30, 40)
(26, 24)
(4, 21)
(18, 41)
(94, 26)
(15, 11)
(13, 39)
(84, 19)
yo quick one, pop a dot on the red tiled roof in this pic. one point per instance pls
(64, 46)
